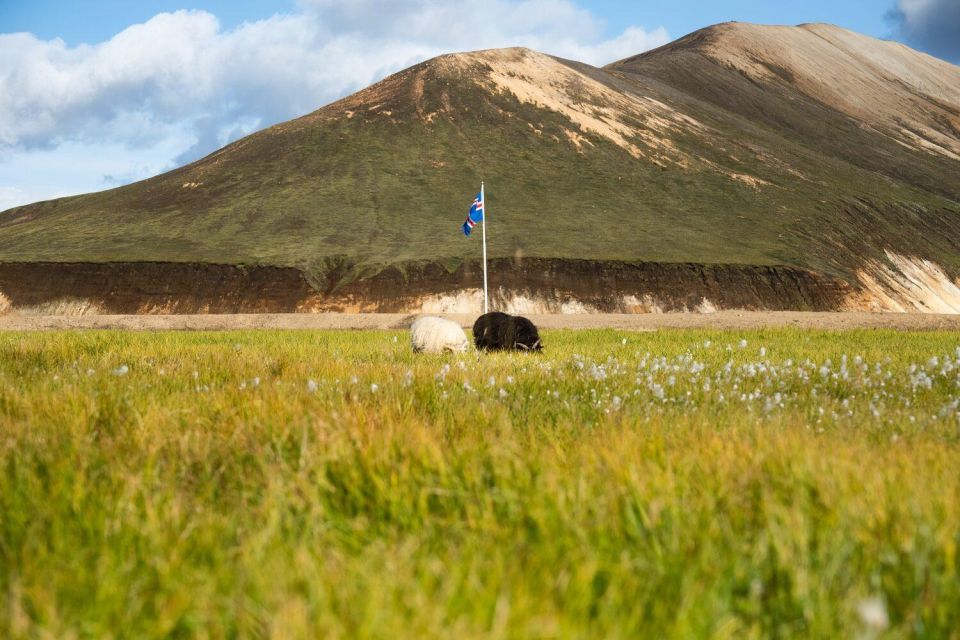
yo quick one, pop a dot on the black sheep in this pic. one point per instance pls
(497, 331)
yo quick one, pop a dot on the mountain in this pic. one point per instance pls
(742, 165)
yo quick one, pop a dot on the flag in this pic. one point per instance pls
(475, 216)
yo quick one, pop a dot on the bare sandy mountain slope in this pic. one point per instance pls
(886, 85)
(737, 150)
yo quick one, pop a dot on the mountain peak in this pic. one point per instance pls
(495, 53)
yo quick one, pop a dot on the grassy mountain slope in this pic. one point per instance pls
(723, 147)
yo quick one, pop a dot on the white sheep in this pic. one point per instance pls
(429, 334)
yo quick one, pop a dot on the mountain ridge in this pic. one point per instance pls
(863, 68)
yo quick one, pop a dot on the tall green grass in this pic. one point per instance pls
(335, 485)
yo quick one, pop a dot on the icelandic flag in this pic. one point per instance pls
(475, 216)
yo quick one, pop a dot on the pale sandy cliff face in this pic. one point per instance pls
(904, 284)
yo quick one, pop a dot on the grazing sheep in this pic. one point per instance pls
(429, 334)
(496, 331)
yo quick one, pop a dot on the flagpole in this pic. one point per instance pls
(483, 199)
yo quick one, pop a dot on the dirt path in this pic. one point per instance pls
(646, 322)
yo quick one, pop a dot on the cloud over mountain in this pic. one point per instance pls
(181, 76)
(930, 25)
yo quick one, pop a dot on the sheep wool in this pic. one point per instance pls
(497, 331)
(430, 334)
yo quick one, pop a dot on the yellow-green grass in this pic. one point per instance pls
(333, 484)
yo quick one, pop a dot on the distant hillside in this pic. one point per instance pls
(811, 150)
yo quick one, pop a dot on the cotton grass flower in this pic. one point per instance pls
(873, 614)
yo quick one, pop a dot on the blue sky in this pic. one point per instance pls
(119, 90)
(104, 18)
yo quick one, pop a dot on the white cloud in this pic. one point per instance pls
(179, 81)
(77, 167)
(931, 25)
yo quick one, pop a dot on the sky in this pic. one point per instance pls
(120, 90)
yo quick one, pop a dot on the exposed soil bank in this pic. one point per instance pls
(571, 286)
(150, 287)
(528, 286)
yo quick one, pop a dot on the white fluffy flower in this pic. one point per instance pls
(873, 613)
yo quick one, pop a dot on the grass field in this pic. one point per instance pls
(773, 483)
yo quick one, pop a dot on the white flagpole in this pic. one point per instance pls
(483, 199)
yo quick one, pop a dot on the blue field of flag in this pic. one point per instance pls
(475, 216)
